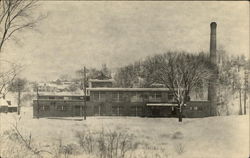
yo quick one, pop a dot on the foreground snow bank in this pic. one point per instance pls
(211, 137)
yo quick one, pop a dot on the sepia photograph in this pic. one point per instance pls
(124, 79)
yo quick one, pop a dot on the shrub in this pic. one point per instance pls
(179, 148)
(177, 135)
(111, 144)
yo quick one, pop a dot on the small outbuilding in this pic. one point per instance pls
(3, 106)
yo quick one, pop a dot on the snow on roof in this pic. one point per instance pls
(3, 102)
(128, 89)
(96, 80)
(162, 104)
(61, 94)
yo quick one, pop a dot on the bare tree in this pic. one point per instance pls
(130, 75)
(246, 90)
(180, 72)
(7, 76)
(16, 15)
(18, 85)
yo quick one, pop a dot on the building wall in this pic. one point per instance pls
(117, 108)
(12, 109)
(3, 109)
(117, 103)
(108, 102)
(58, 108)
(197, 109)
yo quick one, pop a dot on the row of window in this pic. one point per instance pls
(195, 108)
(62, 97)
(65, 108)
(118, 110)
(58, 107)
(133, 97)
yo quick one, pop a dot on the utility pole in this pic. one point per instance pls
(19, 97)
(85, 93)
(37, 97)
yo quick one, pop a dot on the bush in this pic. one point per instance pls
(177, 135)
(111, 144)
(179, 148)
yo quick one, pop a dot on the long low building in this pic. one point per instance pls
(148, 102)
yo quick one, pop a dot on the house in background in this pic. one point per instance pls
(5, 106)
(94, 83)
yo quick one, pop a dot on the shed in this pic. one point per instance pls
(3, 105)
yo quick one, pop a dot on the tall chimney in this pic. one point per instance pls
(212, 91)
(213, 26)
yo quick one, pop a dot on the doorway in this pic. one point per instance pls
(77, 111)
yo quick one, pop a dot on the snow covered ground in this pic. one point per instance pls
(212, 137)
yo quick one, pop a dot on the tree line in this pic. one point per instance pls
(180, 72)
(184, 72)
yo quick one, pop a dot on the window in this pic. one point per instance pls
(172, 108)
(64, 108)
(155, 96)
(158, 95)
(115, 96)
(102, 96)
(61, 107)
(98, 96)
(151, 96)
(137, 110)
(136, 97)
(45, 108)
(117, 110)
(170, 96)
(195, 108)
(95, 96)
(123, 96)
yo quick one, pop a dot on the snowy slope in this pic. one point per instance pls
(212, 137)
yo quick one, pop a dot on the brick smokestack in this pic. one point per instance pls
(212, 91)
(213, 26)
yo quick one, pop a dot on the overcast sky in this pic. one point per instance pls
(117, 33)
